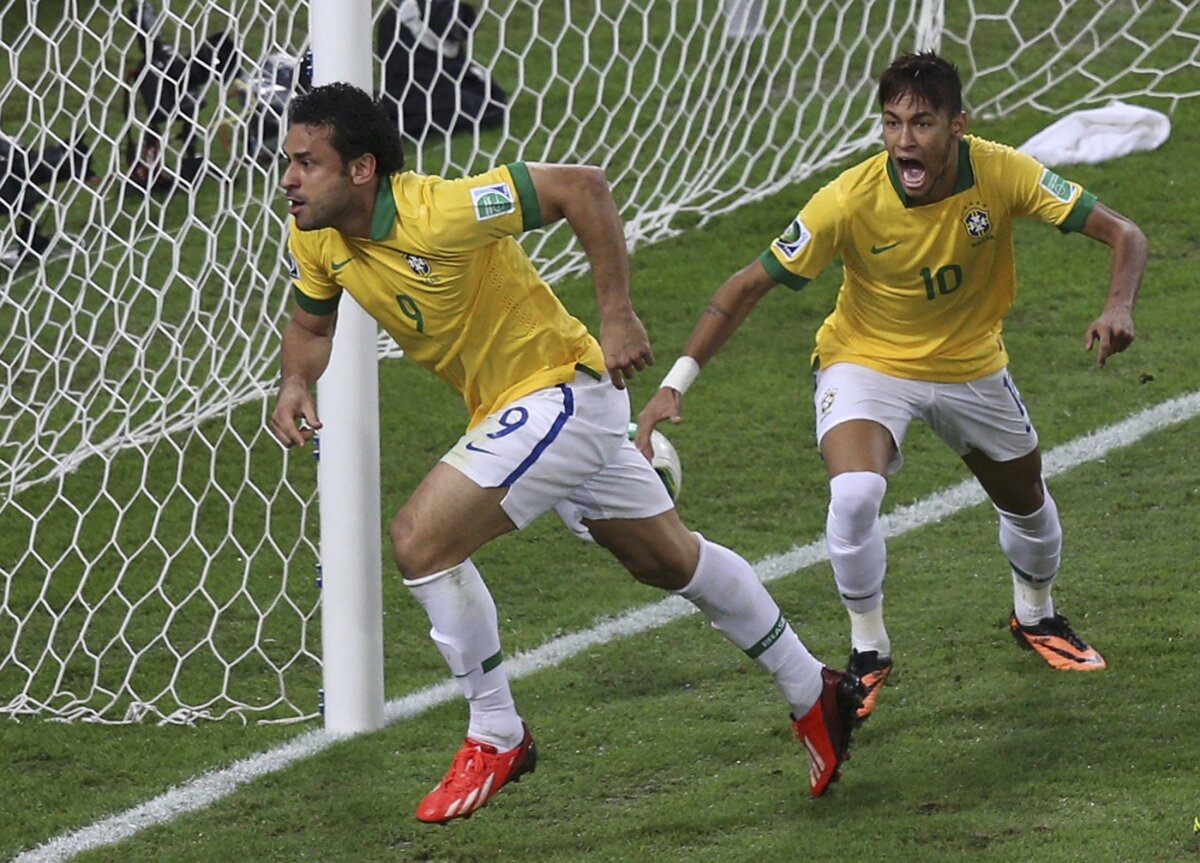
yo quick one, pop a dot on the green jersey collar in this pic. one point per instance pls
(385, 211)
(964, 180)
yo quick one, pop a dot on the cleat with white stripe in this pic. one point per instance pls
(825, 728)
(476, 774)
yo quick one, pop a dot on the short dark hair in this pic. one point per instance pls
(924, 76)
(359, 124)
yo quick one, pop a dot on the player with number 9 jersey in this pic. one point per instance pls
(443, 274)
(435, 262)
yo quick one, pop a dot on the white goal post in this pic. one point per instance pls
(158, 551)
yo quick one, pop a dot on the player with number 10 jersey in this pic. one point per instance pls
(925, 290)
(924, 230)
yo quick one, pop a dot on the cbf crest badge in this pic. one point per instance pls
(978, 222)
(827, 399)
(421, 268)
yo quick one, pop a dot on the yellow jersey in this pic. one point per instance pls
(443, 275)
(925, 288)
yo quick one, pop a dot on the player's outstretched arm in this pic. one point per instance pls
(1112, 332)
(307, 342)
(729, 306)
(581, 195)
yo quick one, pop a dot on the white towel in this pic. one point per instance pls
(1099, 134)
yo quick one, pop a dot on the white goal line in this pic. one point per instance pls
(210, 787)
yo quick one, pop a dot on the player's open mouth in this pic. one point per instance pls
(912, 173)
(294, 206)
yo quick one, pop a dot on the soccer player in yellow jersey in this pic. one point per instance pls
(436, 263)
(924, 231)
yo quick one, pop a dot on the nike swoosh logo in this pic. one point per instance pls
(337, 265)
(471, 446)
(875, 250)
(1082, 659)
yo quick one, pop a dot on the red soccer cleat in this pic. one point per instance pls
(825, 729)
(476, 774)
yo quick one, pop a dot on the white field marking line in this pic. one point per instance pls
(210, 787)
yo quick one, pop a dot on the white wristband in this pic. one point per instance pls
(681, 375)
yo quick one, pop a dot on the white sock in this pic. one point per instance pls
(1031, 602)
(854, 537)
(1033, 545)
(466, 631)
(867, 631)
(726, 589)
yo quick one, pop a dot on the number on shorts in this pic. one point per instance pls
(511, 420)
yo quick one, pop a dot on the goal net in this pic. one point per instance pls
(158, 550)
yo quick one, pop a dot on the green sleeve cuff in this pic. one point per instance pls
(781, 274)
(590, 372)
(531, 210)
(315, 307)
(1079, 213)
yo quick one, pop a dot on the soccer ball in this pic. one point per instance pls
(665, 462)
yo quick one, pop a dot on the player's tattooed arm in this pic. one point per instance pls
(725, 312)
(714, 307)
(728, 307)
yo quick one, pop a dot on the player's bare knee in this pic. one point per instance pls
(413, 556)
(656, 565)
(662, 577)
(667, 566)
(1031, 499)
(1023, 499)
(658, 551)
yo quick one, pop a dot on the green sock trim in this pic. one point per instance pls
(767, 640)
(1028, 578)
(492, 661)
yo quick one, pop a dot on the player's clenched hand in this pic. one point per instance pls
(295, 419)
(626, 348)
(666, 404)
(1113, 330)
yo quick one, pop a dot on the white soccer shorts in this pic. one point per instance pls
(985, 414)
(565, 448)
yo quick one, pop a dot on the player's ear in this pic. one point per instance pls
(362, 168)
(958, 124)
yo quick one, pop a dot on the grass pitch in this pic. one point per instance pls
(670, 745)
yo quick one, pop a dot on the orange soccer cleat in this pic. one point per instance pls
(872, 670)
(1057, 643)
